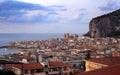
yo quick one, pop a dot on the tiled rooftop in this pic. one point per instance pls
(113, 70)
(58, 64)
(30, 66)
(107, 60)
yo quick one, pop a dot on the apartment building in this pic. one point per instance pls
(98, 63)
(46, 68)
(29, 69)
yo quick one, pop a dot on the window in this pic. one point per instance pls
(74, 65)
(55, 69)
(32, 71)
(80, 65)
(46, 65)
(50, 69)
(46, 72)
(26, 71)
(94, 31)
(65, 68)
(39, 70)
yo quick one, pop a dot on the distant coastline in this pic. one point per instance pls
(3, 46)
(5, 38)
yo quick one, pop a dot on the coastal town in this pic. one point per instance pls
(96, 52)
(71, 53)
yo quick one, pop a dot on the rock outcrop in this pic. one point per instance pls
(107, 25)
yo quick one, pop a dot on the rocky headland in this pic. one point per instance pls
(107, 25)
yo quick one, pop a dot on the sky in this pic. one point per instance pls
(51, 16)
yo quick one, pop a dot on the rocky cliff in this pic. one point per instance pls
(107, 25)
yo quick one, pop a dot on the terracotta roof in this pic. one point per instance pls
(30, 66)
(7, 67)
(58, 64)
(113, 70)
(107, 60)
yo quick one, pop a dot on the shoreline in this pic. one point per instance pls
(3, 47)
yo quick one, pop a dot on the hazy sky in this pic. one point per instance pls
(51, 16)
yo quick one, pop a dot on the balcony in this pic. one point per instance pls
(54, 72)
(36, 74)
(65, 72)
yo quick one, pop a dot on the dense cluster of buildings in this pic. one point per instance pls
(71, 55)
(72, 45)
(69, 42)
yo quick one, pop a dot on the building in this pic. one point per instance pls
(58, 68)
(117, 53)
(29, 69)
(112, 70)
(76, 63)
(98, 63)
(66, 36)
(46, 68)
(102, 66)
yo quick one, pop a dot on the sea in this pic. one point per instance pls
(6, 38)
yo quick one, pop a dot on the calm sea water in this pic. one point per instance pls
(6, 38)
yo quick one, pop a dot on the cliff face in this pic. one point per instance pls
(105, 25)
